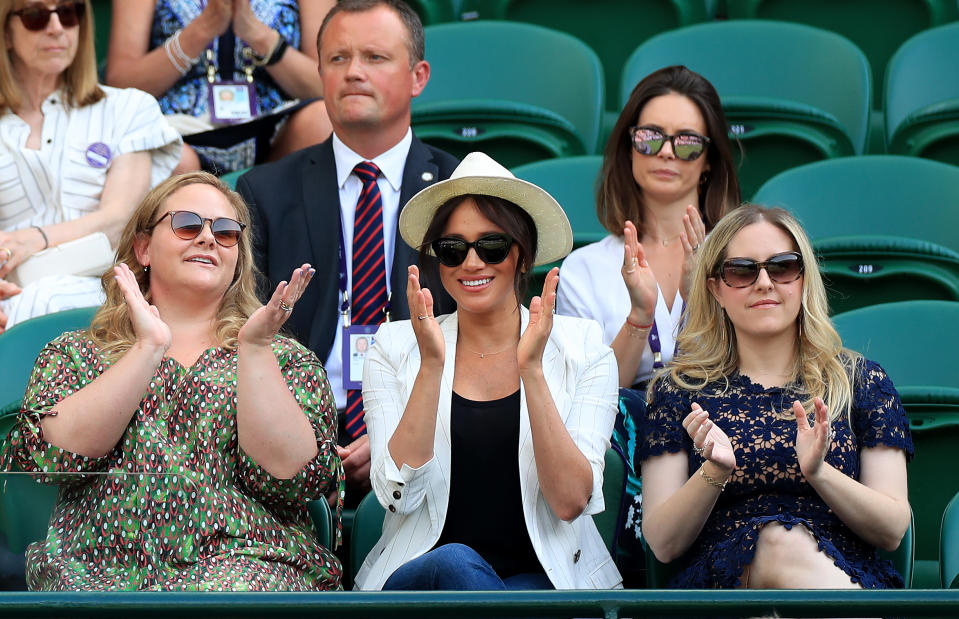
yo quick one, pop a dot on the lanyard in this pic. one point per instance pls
(344, 295)
(224, 57)
(656, 346)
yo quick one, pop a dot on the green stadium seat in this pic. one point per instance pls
(877, 27)
(949, 546)
(20, 345)
(914, 341)
(230, 178)
(572, 181)
(494, 89)
(103, 14)
(922, 96)
(884, 226)
(322, 517)
(779, 85)
(434, 11)
(612, 28)
(368, 522)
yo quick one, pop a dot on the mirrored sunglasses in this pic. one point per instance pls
(36, 16)
(187, 225)
(490, 248)
(781, 268)
(687, 145)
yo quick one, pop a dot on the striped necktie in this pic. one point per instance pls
(369, 275)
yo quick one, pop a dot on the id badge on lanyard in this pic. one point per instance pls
(229, 102)
(356, 339)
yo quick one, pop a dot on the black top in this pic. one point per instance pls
(486, 508)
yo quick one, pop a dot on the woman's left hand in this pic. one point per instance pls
(248, 27)
(692, 237)
(812, 443)
(265, 322)
(532, 343)
(17, 246)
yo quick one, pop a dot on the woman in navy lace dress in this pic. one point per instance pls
(772, 457)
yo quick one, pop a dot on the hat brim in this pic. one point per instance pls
(553, 232)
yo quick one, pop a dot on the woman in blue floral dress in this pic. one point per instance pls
(161, 46)
(772, 457)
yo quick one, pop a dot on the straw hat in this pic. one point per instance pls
(479, 174)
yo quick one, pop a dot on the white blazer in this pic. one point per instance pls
(582, 376)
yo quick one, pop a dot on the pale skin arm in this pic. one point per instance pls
(271, 427)
(565, 477)
(412, 441)
(630, 343)
(675, 505)
(127, 181)
(92, 421)
(876, 508)
(692, 236)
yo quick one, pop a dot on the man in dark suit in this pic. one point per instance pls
(371, 65)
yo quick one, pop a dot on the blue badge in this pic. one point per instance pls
(99, 155)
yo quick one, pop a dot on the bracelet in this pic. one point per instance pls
(712, 482)
(274, 55)
(639, 327)
(46, 240)
(178, 50)
(169, 54)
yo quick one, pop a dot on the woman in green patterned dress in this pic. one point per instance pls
(186, 436)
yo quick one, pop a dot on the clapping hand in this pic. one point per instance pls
(265, 322)
(529, 352)
(429, 335)
(692, 237)
(709, 441)
(638, 276)
(812, 442)
(149, 328)
(217, 14)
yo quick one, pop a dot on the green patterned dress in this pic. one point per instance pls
(177, 504)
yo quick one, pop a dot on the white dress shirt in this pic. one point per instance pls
(391, 165)
(591, 286)
(581, 373)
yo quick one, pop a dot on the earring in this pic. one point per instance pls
(704, 177)
(146, 269)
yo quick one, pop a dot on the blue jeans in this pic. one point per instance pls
(456, 567)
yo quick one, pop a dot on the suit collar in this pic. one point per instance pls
(391, 163)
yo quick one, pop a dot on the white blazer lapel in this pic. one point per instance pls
(450, 331)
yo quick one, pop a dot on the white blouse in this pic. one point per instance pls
(591, 286)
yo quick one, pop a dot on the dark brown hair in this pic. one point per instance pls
(514, 221)
(619, 199)
(415, 37)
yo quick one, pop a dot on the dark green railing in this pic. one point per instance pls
(553, 604)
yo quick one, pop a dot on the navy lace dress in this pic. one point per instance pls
(767, 485)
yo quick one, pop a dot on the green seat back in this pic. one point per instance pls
(103, 14)
(913, 341)
(921, 99)
(572, 181)
(949, 545)
(230, 178)
(877, 27)
(20, 345)
(779, 85)
(883, 224)
(434, 11)
(368, 521)
(322, 517)
(493, 88)
(612, 28)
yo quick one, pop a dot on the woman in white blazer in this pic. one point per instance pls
(488, 427)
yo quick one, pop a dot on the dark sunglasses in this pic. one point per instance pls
(187, 225)
(781, 268)
(36, 16)
(491, 249)
(687, 145)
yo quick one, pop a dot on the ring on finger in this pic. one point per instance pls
(696, 247)
(286, 307)
(699, 450)
(422, 317)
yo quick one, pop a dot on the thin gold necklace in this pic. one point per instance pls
(483, 355)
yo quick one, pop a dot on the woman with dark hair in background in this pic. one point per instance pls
(488, 427)
(668, 176)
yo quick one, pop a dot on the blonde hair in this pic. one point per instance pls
(112, 329)
(79, 80)
(707, 342)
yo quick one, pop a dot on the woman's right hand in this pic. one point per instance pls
(217, 16)
(639, 278)
(149, 328)
(429, 336)
(708, 437)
